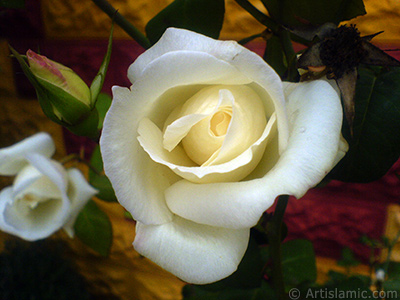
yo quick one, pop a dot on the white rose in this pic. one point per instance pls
(44, 196)
(204, 141)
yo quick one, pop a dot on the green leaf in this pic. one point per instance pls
(100, 181)
(303, 12)
(375, 146)
(392, 288)
(193, 292)
(202, 16)
(394, 270)
(348, 259)
(98, 81)
(94, 229)
(349, 288)
(96, 160)
(12, 3)
(298, 262)
(103, 103)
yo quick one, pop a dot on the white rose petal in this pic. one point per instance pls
(43, 199)
(174, 246)
(204, 141)
(12, 159)
(79, 193)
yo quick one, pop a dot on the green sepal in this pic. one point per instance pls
(202, 16)
(103, 103)
(40, 92)
(98, 81)
(72, 111)
(93, 228)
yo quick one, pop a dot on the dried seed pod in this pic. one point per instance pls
(339, 52)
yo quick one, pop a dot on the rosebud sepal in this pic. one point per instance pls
(57, 104)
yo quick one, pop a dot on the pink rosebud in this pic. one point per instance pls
(59, 76)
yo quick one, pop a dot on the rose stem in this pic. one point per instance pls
(274, 232)
(287, 46)
(127, 26)
(258, 15)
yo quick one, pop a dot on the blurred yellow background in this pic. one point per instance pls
(82, 19)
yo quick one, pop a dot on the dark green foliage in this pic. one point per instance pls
(12, 3)
(375, 146)
(348, 259)
(304, 12)
(93, 228)
(98, 180)
(202, 16)
(298, 263)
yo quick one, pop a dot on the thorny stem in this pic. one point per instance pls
(127, 26)
(274, 232)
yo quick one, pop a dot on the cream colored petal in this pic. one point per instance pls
(179, 39)
(247, 124)
(176, 131)
(195, 253)
(197, 108)
(151, 140)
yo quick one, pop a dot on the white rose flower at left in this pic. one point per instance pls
(45, 196)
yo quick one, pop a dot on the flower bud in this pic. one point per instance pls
(64, 96)
(59, 75)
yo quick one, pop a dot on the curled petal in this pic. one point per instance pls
(12, 159)
(315, 117)
(195, 253)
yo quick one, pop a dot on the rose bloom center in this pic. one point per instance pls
(216, 124)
